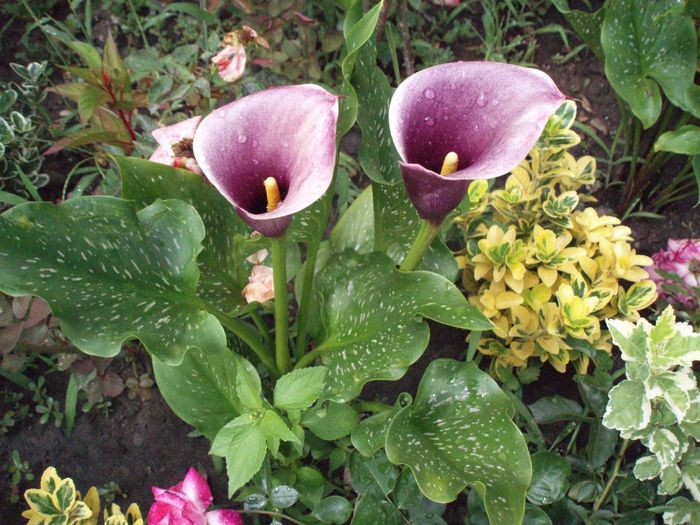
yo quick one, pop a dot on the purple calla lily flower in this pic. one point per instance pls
(489, 114)
(285, 133)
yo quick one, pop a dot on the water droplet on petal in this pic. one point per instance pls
(242, 139)
(256, 162)
(481, 100)
(429, 94)
(429, 121)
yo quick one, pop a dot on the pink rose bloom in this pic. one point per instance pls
(230, 62)
(683, 259)
(175, 145)
(186, 504)
(260, 285)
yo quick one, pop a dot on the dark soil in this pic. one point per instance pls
(140, 444)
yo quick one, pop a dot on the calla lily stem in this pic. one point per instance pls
(279, 272)
(426, 234)
(303, 324)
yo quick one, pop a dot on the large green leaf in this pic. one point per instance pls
(210, 399)
(684, 140)
(459, 432)
(366, 328)
(111, 273)
(358, 30)
(647, 45)
(221, 263)
(399, 225)
(587, 25)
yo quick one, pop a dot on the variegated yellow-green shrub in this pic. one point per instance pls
(545, 271)
(56, 502)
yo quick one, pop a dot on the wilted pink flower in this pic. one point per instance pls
(489, 114)
(286, 134)
(186, 504)
(231, 62)
(175, 145)
(260, 285)
(682, 258)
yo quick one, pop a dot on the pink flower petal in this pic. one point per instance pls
(224, 517)
(196, 489)
(169, 135)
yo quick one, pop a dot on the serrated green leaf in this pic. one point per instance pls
(370, 510)
(299, 389)
(89, 55)
(628, 407)
(111, 273)
(550, 473)
(555, 408)
(459, 432)
(89, 99)
(601, 444)
(273, 426)
(647, 46)
(331, 422)
(221, 261)
(210, 400)
(367, 328)
(248, 386)
(242, 442)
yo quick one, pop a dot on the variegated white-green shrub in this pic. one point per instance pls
(659, 402)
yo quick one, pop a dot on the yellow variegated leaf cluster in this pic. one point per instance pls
(545, 272)
(56, 502)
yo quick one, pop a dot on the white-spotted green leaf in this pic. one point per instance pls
(370, 435)
(358, 29)
(242, 442)
(209, 399)
(374, 476)
(299, 389)
(586, 24)
(400, 224)
(628, 408)
(459, 432)
(646, 45)
(684, 140)
(367, 328)
(111, 273)
(222, 261)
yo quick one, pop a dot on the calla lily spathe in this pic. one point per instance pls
(287, 133)
(489, 114)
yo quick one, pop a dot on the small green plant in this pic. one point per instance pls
(658, 403)
(19, 471)
(46, 405)
(21, 133)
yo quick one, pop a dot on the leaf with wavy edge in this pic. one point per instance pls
(111, 273)
(459, 432)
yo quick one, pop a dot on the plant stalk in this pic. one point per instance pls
(279, 272)
(305, 300)
(426, 234)
(616, 469)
